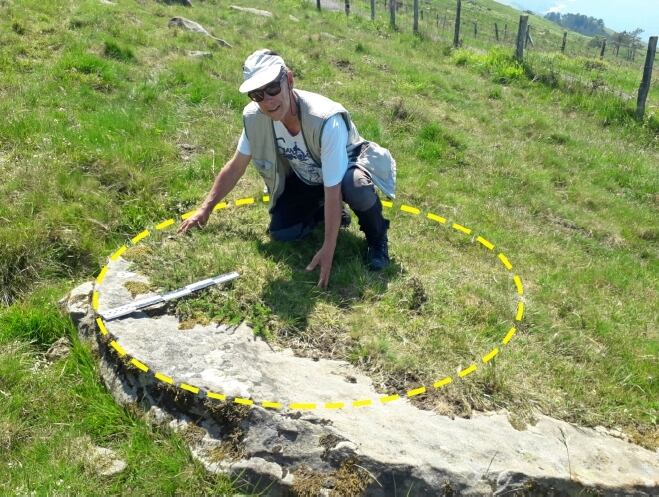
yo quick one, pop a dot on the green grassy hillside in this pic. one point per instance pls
(439, 15)
(618, 72)
(109, 127)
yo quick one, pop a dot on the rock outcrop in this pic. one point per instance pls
(99, 460)
(365, 448)
(195, 27)
(185, 3)
(255, 12)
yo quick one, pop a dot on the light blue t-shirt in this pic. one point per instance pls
(333, 154)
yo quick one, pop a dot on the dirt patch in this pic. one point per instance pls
(569, 225)
(344, 65)
(371, 62)
(416, 295)
(186, 151)
(11, 435)
(398, 110)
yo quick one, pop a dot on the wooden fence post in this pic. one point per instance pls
(496, 31)
(392, 13)
(564, 40)
(505, 32)
(521, 37)
(475, 30)
(318, 4)
(528, 37)
(347, 7)
(456, 34)
(372, 10)
(415, 27)
(647, 76)
(603, 48)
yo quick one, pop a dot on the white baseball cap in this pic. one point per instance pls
(261, 68)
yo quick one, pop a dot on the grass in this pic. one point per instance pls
(110, 128)
(50, 410)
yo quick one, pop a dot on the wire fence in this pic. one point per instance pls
(476, 31)
(614, 67)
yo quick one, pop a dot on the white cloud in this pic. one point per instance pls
(559, 7)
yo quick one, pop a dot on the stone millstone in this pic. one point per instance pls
(379, 450)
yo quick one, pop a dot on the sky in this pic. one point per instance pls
(619, 15)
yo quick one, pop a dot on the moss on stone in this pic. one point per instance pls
(137, 288)
(307, 482)
(193, 434)
(136, 252)
(350, 479)
(189, 323)
(230, 417)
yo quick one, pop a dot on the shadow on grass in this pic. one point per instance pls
(293, 299)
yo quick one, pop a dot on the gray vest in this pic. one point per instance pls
(314, 111)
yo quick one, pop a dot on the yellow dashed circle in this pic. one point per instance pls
(440, 383)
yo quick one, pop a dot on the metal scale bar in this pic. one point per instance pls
(126, 309)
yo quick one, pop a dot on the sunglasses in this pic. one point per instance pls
(271, 89)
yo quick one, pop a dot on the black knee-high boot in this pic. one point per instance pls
(375, 228)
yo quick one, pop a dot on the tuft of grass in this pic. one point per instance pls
(435, 144)
(498, 64)
(18, 28)
(113, 50)
(495, 94)
(37, 321)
